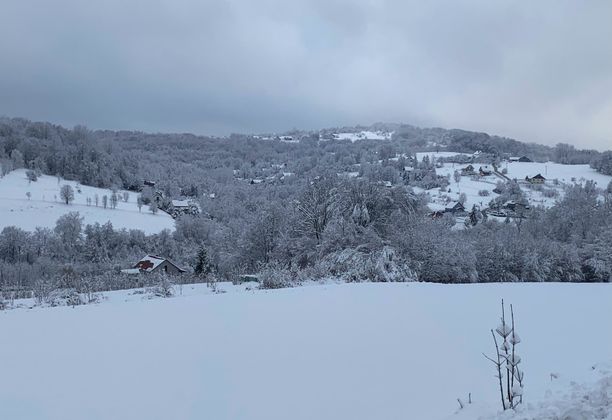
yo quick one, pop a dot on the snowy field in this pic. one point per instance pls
(44, 206)
(565, 174)
(326, 352)
(364, 135)
(437, 155)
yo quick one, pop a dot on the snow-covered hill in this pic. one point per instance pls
(364, 135)
(326, 352)
(44, 206)
(557, 177)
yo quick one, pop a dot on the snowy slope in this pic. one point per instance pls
(364, 135)
(358, 351)
(45, 206)
(550, 170)
(437, 155)
(564, 174)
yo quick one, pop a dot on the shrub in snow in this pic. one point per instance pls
(161, 286)
(319, 270)
(31, 175)
(506, 361)
(363, 264)
(275, 276)
(64, 297)
(550, 193)
(483, 193)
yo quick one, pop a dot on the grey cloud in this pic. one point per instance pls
(538, 71)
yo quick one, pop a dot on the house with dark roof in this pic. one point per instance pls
(468, 170)
(519, 159)
(538, 179)
(456, 209)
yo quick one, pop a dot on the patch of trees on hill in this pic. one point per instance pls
(603, 163)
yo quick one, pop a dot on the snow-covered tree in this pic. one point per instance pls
(153, 207)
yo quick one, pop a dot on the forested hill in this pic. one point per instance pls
(124, 159)
(378, 203)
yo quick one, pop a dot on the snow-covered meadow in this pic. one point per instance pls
(45, 206)
(364, 135)
(557, 177)
(332, 351)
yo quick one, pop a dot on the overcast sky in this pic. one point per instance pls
(534, 70)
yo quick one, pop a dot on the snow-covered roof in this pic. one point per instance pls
(131, 271)
(149, 262)
(180, 203)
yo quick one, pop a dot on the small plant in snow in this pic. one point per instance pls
(506, 361)
(162, 286)
(31, 175)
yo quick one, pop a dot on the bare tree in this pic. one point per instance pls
(316, 207)
(67, 194)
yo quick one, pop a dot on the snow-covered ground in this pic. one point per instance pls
(437, 155)
(45, 206)
(588, 399)
(564, 174)
(335, 351)
(364, 135)
(567, 174)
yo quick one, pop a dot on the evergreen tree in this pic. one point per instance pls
(203, 265)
